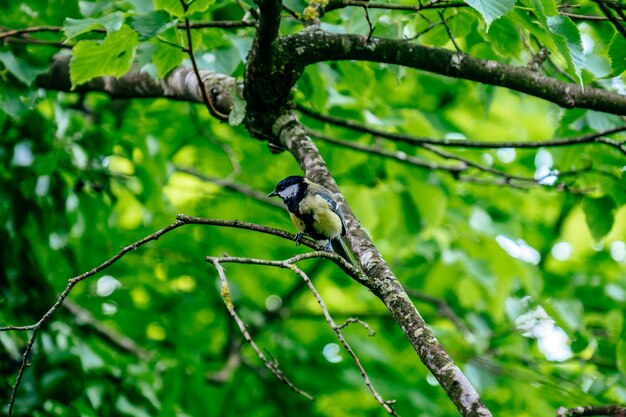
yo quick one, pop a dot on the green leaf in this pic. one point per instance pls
(505, 38)
(175, 8)
(166, 57)
(617, 54)
(542, 8)
(563, 27)
(151, 24)
(238, 113)
(491, 9)
(113, 56)
(599, 215)
(75, 27)
(23, 71)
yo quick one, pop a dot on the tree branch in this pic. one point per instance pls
(290, 264)
(592, 410)
(271, 365)
(598, 137)
(381, 280)
(315, 45)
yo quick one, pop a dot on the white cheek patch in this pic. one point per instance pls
(289, 192)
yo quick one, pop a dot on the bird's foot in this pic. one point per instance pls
(329, 247)
(298, 238)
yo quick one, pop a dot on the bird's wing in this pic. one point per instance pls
(335, 208)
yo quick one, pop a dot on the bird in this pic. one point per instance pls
(314, 212)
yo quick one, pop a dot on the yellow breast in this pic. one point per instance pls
(325, 221)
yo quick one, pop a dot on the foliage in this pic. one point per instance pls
(536, 274)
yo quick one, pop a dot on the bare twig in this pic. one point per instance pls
(435, 4)
(231, 185)
(592, 410)
(34, 29)
(598, 137)
(189, 49)
(72, 282)
(369, 23)
(20, 373)
(271, 365)
(351, 320)
(397, 155)
(181, 221)
(607, 12)
(290, 264)
(448, 31)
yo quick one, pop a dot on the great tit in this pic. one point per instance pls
(314, 212)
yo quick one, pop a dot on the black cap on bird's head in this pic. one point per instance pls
(294, 181)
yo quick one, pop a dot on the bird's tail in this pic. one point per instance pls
(340, 249)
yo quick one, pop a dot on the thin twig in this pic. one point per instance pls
(436, 4)
(607, 12)
(463, 166)
(290, 264)
(181, 221)
(598, 137)
(33, 29)
(271, 365)
(586, 17)
(189, 49)
(20, 373)
(291, 12)
(369, 23)
(231, 185)
(450, 35)
(351, 320)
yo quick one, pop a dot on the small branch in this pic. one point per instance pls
(221, 24)
(271, 365)
(104, 265)
(606, 7)
(20, 373)
(450, 35)
(34, 29)
(231, 185)
(33, 41)
(396, 155)
(290, 264)
(591, 410)
(351, 320)
(85, 318)
(586, 17)
(369, 23)
(436, 4)
(205, 97)
(598, 137)
(291, 12)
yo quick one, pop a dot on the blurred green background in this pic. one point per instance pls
(535, 276)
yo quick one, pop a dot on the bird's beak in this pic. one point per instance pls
(272, 194)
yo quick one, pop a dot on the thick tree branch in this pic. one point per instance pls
(381, 280)
(316, 45)
(181, 84)
(592, 410)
